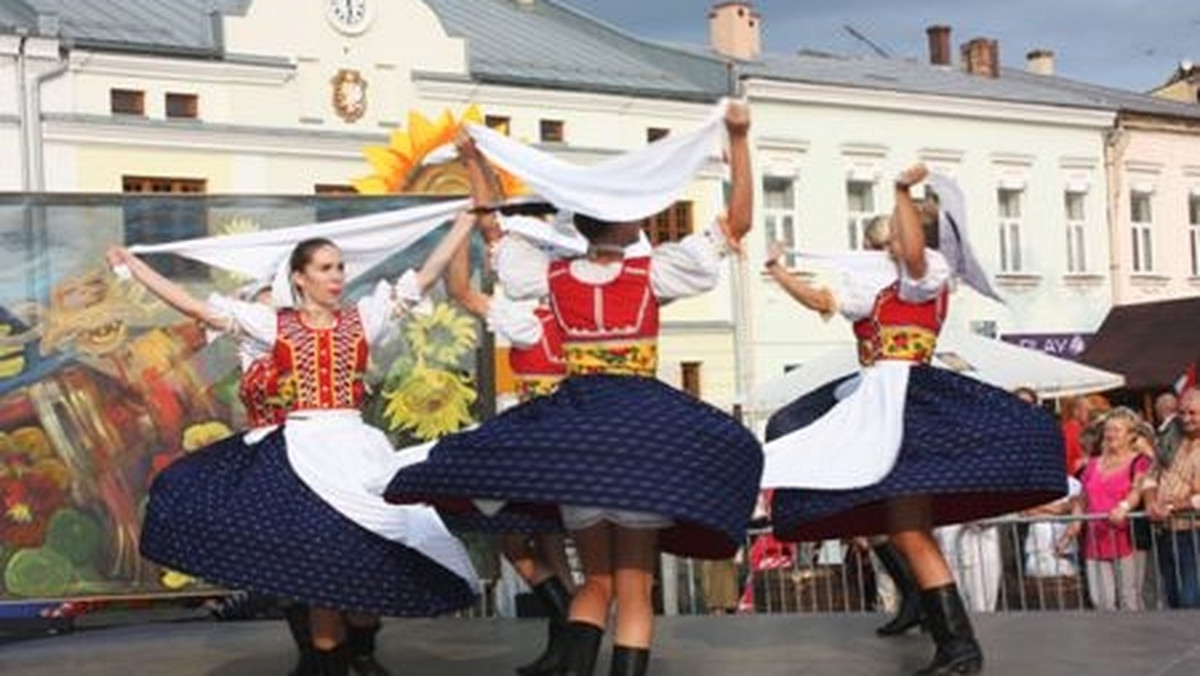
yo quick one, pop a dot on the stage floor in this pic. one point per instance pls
(1045, 644)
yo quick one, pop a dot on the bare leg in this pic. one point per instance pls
(593, 599)
(636, 551)
(911, 531)
(328, 630)
(552, 552)
(524, 559)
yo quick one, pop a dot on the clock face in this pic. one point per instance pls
(349, 16)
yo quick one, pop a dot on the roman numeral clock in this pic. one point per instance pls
(351, 18)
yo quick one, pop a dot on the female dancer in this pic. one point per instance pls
(926, 446)
(537, 362)
(601, 445)
(288, 513)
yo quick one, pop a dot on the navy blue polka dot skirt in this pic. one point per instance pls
(237, 515)
(974, 450)
(613, 442)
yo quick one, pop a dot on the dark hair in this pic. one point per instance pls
(528, 209)
(932, 232)
(592, 228)
(302, 255)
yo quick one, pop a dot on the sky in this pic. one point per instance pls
(1127, 44)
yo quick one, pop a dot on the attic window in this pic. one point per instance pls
(655, 133)
(127, 101)
(498, 123)
(183, 106)
(552, 131)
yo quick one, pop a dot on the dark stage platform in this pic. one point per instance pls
(1042, 644)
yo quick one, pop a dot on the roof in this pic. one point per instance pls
(1152, 344)
(131, 25)
(918, 77)
(552, 45)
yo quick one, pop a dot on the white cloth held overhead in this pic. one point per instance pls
(365, 241)
(629, 187)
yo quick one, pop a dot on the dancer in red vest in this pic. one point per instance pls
(603, 444)
(917, 446)
(287, 511)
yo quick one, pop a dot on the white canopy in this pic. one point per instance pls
(993, 361)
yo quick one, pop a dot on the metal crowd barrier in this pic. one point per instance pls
(1006, 564)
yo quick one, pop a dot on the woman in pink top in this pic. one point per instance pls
(1111, 483)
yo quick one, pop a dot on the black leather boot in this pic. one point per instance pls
(908, 614)
(583, 644)
(957, 650)
(629, 661)
(360, 646)
(334, 662)
(557, 599)
(296, 615)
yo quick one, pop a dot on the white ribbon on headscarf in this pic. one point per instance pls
(365, 241)
(628, 187)
(952, 236)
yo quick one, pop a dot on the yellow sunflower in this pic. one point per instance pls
(12, 353)
(443, 336)
(430, 403)
(399, 168)
(202, 434)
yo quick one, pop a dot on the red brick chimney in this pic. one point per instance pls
(981, 56)
(735, 30)
(939, 45)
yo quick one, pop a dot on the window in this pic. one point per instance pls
(655, 133)
(165, 214)
(860, 202)
(1009, 203)
(127, 101)
(670, 225)
(689, 377)
(1076, 229)
(334, 189)
(1141, 221)
(552, 131)
(498, 123)
(1194, 232)
(779, 214)
(183, 106)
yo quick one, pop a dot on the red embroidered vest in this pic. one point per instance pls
(259, 391)
(538, 368)
(900, 330)
(320, 368)
(609, 328)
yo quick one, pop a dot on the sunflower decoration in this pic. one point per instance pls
(404, 166)
(444, 336)
(430, 403)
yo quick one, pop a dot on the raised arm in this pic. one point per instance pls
(741, 191)
(458, 283)
(482, 181)
(169, 292)
(910, 236)
(444, 251)
(814, 298)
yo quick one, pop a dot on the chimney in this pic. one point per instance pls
(981, 57)
(1040, 62)
(735, 30)
(939, 45)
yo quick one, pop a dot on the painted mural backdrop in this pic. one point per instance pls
(101, 385)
